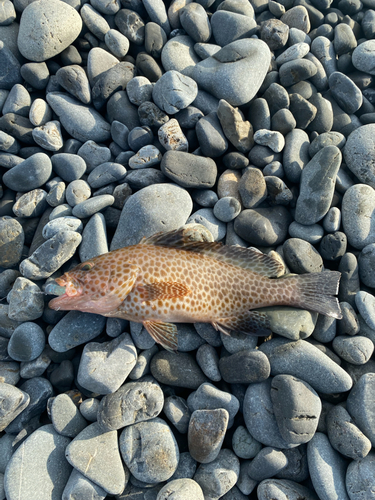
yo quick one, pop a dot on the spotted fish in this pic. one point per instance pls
(168, 278)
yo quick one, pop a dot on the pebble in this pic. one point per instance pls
(174, 91)
(27, 342)
(25, 301)
(177, 412)
(210, 135)
(14, 402)
(346, 93)
(96, 363)
(214, 76)
(188, 170)
(91, 206)
(267, 463)
(295, 154)
(195, 22)
(183, 489)
(181, 371)
(357, 210)
(345, 436)
(279, 488)
(75, 328)
(238, 131)
(227, 209)
(247, 366)
(11, 243)
(303, 360)
(69, 167)
(206, 218)
(31, 204)
(79, 485)
(359, 476)
(73, 79)
(94, 238)
(206, 433)
(244, 445)
(30, 174)
(96, 455)
(327, 468)
(62, 224)
(39, 460)
(160, 218)
(178, 55)
(89, 409)
(150, 451)
(46, 29)
(362, 57)
(65, 416)
(209, 397)
(171, 136)
(356, 154)
(133, 402)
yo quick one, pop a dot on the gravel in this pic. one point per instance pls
(254, 120)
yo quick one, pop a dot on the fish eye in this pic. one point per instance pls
(86, 267)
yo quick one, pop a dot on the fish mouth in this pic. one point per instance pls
(68, 291)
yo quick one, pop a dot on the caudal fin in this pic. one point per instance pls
(315, 292)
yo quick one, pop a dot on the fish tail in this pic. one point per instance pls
(316, 292)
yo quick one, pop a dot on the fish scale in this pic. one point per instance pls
(171, 278)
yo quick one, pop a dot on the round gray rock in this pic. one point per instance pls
(47, 27)
(174, 91)
(358, 151)
(358, 215)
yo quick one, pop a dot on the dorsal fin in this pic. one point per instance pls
(247, 258)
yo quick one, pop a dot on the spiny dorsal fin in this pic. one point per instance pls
(247, 258)
(163, 290)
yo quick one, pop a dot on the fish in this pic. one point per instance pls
(170, 278)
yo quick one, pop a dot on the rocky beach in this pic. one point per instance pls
(250, 123)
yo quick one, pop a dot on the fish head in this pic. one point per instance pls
(97, 286)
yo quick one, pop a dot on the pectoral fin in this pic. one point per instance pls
(163, 290)
(163, 333)
(251, 323)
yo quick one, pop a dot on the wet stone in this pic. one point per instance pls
(39, 460)
(206, 433)
(95, 454)
(345, 436)
(25, 301)
(151, 443)
(134, 402)
(27, 342)
(96, 363)
(65, 416)
(177, 412)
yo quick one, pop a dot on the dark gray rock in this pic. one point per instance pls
(346, 93)
(12, 75)
(359, 476)
(295, 154)
(189, 170)
(206, 433)
(358, 215)
(211, 138)
(27, 342)
(195, 22)
(32, 173)
(245, 367)
(229, 26)
(267, 463)
(65, 416)
(25, 301)
(357, 154)
(174, 91)
(179, 370)
(360, 405)
(79, 485)
(12, 238)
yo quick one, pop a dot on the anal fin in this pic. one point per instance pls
(163, 333)
(163, 290)
(250, 323)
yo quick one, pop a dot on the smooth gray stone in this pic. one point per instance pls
(206, 218)
(94, 238)
(186, 466)
(94, 21)
(208, 361)
(260, 418)
(224, 74)
(297, 408)
(316, 191)
(357, 153)
(30, 174)
(132, 403)
(210, 478)
(356, 350)
(332, 221)
(195, 22)
(31, 204)
(78, 486)
(327, 468)
(278, 489)
(177, 412)
(312, 234)
(153, 445)
(295, 154)
(346, 93)
(362, 58)
(80, 121)
(247, 366)
(323, 49)
(73, 79)
(89, 409)
(40, 390)
(18, 101)
(11, 242)
(344, 39)
(25, 301)
(361, 403)
(263, 226)
(274, 32)
(47, 28)
(142, 367)
(178, 54)
(158, 14)
(62, 224)
(69, 167)
(111, 81)
(190, 171)
(252, 187)
(65, 416)
(297, 468)
(94, 154)
(12, 75)
(326, 139)
(366, 263)
(305, 361)
(27, 342)
(174, 91)
(211, 138)
(155, 39)
(349, 283)
(206, 433)
(229, 26)
(360, 477)
(9, 373)
(268, 462)
(182, 370)
(91, 206)
(243, 443)
(117, 357)
(95, 454)
(358, 215)
(301, 257)
(345, 436)
(75, 328)
(208, 397)
(226, 209)
(7, 325)
(14, 401)
(40, 462)
(51, 255)
(183, 488)
(146, 213)
(37, 367)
